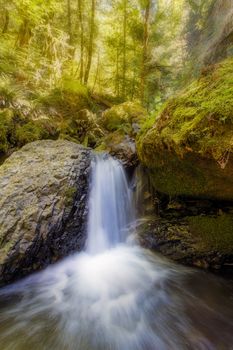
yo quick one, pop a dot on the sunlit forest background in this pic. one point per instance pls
(58, 56)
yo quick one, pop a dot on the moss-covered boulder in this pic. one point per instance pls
(64, 112)
(43, 205)
(121, 124)
(16, 129)
(127, 117)
(189, 149)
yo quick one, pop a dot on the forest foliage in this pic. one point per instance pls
(130, 49)
(60, 56)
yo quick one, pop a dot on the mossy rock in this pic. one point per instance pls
(189, 148)
(33, 131)
(67, 99)
(10, 120)
(213, 233)
(203, 241)
(81, 128)
(120, 146)
(126, 117)
(6, 128)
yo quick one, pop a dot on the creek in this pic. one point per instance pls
(116, 295)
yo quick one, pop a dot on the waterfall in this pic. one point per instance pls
(110, 205)
(115, 295)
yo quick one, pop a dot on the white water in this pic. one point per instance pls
(110, 205)
(115, 295)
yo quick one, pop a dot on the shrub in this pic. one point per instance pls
(29, 132)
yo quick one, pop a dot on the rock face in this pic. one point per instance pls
(194, 233)
(43, 206)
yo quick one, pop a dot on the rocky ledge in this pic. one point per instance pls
(43, 206)
(195, 233)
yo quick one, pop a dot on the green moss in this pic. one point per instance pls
(176, 177)
(214, 233)
(29, 132)
(69, 195)
(201, 118)
(188, 148)
(16, 130)
(110, 141)
(124, 117)
(6, 129)
(147, 125)
(55, 113)
(102, 147)
(68, 98)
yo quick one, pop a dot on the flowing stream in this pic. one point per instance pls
(115, 295)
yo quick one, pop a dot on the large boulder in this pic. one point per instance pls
(189, 150)
(43, 206)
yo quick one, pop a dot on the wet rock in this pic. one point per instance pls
(43, 206)
(202, 241)
(124, 150)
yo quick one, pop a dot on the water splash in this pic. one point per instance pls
(115, 296)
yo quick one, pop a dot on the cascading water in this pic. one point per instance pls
(110, 205)
(115, 295)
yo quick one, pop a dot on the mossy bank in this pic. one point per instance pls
(188, 155)
(189, 148)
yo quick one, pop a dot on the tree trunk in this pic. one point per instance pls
(6, 22)
(69, 22)
(90, 44)
(133, 79)
(124, 48)
(24, 34)
(145, 49)
(117, 87)
(80, 15)
(97, 73)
